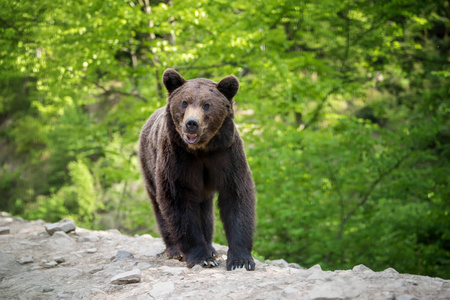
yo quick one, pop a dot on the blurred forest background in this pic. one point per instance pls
(343, 108)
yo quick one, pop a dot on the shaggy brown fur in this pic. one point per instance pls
(189, 150)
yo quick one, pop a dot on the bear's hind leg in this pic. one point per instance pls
(172, 249)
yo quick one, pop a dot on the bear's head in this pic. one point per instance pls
(199, 107)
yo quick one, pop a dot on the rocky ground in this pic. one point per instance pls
(84, 264)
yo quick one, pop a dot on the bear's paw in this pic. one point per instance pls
(238, 262)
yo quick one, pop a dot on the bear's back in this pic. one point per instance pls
(153, 136)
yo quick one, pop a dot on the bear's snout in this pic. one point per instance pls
(192, 130)
(192, 125)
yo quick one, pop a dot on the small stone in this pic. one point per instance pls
(96, 270)
(390, 271)
(51, 264)
(114, 231)
(47, 290)
(43, 234)
(84, 239)
(315, 268)
(406, 297)
(171, 271)
(59, 259)
(65, 225)
(361, 268)
(295, 266)
(161, 289)
(91, 250)
(133, 276)
(278, 262)
(122, 254)
(5, 230)
(25, 260)
(154, 252)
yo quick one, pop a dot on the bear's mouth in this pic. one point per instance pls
(191, 138)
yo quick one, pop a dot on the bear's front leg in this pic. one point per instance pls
(237, 211)
(183, 213)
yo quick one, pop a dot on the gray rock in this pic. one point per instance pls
(172, 271)
(361, 268)
(315, 268)
(91, 238)
(88, 276)
(50, 264)
(5, 230)
(59, 259)
(122, 254)
(406, 297)
(114, 231)
(96, 270)
(345, 287)
(390, 271)
(65, 225)
(295, 266)
(60, 241)
(162, 289)
(278, 262)
(133, 276)
(154, 252)
(25, 260)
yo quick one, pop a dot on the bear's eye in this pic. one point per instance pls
(184, 104)
(205, 106)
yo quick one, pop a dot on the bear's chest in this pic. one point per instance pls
(207, 172)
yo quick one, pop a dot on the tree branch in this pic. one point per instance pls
(114, 91)
(365, 198)
(319, 107)
(369, 192)
(347, 46)
(9, 25)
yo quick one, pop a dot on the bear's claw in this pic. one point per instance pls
(239, 264)
(209, 263)
(173, 253)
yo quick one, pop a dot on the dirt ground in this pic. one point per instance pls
(84, 264)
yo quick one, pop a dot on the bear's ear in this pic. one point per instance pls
(172, 80)
(229, 86)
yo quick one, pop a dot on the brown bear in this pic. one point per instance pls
(189, 150)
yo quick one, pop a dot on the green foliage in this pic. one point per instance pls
(343, 109)
(78, 199)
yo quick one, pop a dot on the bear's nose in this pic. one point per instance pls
(192, 125)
